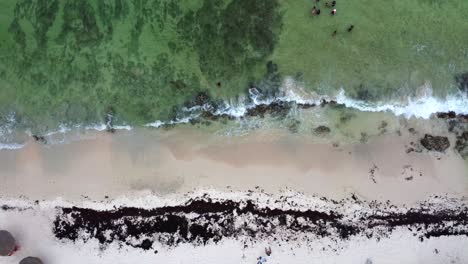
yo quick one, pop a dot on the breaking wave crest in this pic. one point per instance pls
(420, 107)
(290, 93)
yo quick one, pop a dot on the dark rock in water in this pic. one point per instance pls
(383, 125)
(273, 108)
(7, 243)
(461, 145)
(212, 117)
(462, 81)
(463, 118)
(293, 125)
(324, 102)
(446, 115)
(436, 143)
(202, 98)
(31, 260)
(322, 130)
(305, 106)
(39, 139)
(465, 135)
(346, 117)
(364, 138)
(109, 120)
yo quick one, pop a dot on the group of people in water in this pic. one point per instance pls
(316, 11)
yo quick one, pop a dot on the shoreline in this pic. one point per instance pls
(290, 97)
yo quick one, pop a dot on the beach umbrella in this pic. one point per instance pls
(31, 260)
(7, 243)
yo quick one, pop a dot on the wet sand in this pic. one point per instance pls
(181, 160)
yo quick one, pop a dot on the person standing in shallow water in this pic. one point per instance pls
(315, 11)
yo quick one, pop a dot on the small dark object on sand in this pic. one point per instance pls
(268, 251)
(7, 243)
(334, 33)
(31, 260)
(350, 28)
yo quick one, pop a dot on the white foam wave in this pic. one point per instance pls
(11, 146)
(159, 123)
(293, 92)
(422, 107)
(103, 127)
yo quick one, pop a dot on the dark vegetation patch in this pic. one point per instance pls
(232, 39)
(79, 25)
(435, 143)
(458, 125)
(322, 130)
(203, 220)
(97, 60)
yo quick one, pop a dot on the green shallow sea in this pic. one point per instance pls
(73, 61)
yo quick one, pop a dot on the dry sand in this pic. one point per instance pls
(182, 160)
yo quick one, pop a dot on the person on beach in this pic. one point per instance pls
(268, 251)
(333, 12)
(315, 11)
(7, 243)
(334, 33)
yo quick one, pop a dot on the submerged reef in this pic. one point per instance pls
(72, 60)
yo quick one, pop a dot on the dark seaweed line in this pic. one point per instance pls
(214, 221)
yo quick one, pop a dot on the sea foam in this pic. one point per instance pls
(290, 92)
